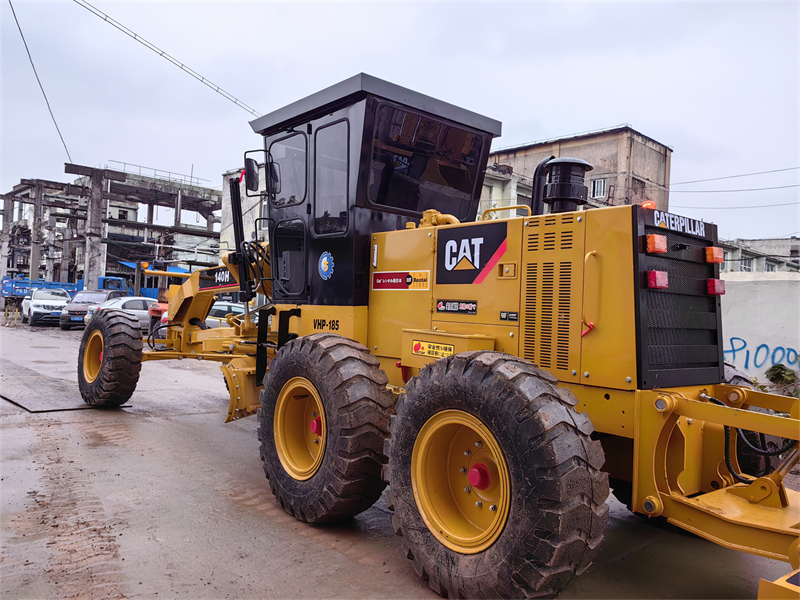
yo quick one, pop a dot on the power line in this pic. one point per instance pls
(779, 187)
(13, 12)
(734, 176)
(160, 52)
(736, 207)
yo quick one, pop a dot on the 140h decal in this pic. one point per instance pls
(468, 254)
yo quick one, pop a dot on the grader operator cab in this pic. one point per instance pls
(496, 374)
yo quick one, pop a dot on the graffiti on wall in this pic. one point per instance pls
(761, 357)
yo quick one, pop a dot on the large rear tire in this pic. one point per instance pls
(494, 479)
(324, 417)
(110, 358)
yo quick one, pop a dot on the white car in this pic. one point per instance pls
(133, 305)
(44, 306)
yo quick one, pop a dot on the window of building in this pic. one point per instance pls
(770, 267)
(746, 264)
(420, 163)
(122, 215)
(290, 154)
(330, 178)
(599, 188)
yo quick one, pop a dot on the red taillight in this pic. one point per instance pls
(714, 255)
(656, 244)
(716, 287)
(657, 280)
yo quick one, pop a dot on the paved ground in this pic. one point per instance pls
(163, 500)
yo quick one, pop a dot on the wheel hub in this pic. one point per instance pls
(300, 428)
(460, 481)
(93, 356)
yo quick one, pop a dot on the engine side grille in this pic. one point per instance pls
(552, 275)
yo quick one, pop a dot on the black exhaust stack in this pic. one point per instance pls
(564, 190)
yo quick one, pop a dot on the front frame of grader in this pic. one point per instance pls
(567, 292)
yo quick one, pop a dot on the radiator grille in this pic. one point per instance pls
(680, 325)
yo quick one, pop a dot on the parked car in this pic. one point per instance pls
(44, 306)
(133, 305)
(216, 316)
(72, 314)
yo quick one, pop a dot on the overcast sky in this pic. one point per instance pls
(718, 82)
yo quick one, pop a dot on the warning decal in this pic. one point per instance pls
(432, 350)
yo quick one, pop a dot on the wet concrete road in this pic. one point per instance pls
(161, 499)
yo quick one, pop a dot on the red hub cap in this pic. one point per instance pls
(479, 476)
(316, 426)
(101, 356)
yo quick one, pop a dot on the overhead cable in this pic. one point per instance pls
(736, 207)
(41, 87)
(97, 12)
(734, 176)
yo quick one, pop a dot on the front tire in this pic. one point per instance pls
(110, 359)
(494, 479)
(323, 419)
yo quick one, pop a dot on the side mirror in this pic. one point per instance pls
(27, 298)
(273, 178)
(251, 174)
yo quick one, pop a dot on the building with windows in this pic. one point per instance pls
(761, 256)
(628, 168)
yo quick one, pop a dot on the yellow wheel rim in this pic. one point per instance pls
(452, 449)
(300, 428)
(93, 356)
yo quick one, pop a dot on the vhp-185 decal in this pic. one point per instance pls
(468, 254)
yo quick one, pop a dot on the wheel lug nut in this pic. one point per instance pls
(313, 414)
(463, 470)
(478, 444)
(493, 508)
(316, 441)
(467, 452)
(479, 504)
(467, 489)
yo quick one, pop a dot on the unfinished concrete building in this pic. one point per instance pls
(106, 221)
(628, 168)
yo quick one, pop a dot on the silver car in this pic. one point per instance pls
(221, 309)
(134, 305)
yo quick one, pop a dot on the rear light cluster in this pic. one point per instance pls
(657, 280)
(656, 244)
(715, 287)
(714, 255)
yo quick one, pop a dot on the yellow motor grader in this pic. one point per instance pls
(495, 373)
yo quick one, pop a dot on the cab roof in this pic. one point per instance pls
(359, 86)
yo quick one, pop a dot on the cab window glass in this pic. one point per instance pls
(419, 163)
(330, 179)
(290, 154)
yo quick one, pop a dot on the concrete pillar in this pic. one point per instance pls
(36, 232)
(8, 216)
(94, 252)
(51, 247)
(178, 203)
(66, 253)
